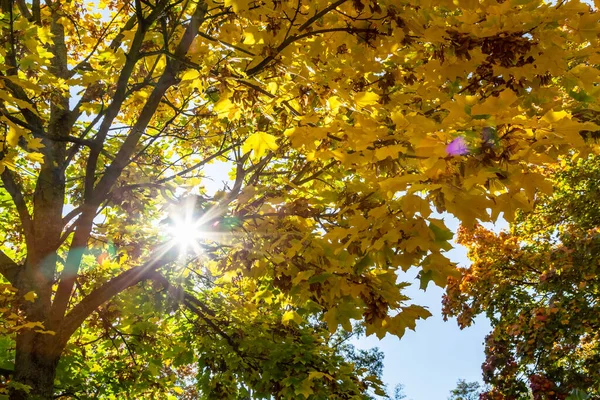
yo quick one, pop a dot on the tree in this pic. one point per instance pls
(399, 392)
(344, 123)
(465, 391)
(538, 285)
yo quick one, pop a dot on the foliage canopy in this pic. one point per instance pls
(538, 285)
(345, 123)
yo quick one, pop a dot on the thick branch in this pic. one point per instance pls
(85, 221)
(24, 10)
(15, 192)
(37, 12)
(8, 268)
(194, 305)
(118, 98)
(320, 14)
(20, 122)
(116, 42)
(110, 289)
(95, 196)
(166, 80)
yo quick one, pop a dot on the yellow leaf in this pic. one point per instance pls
(302, 276)
(407, 318)
(494, 105)
(178, 390)
(43, 53)
(331, 318)
(223, 105)
(35, 157)
(334, 103)
(30, 296)
(318, 375)
(260, 143)
(553, 116)
(190, 75)
(34, 144)
(52, 333)
(14, 133)
(44, 35)
(412, 204)
(238, 5)
(441, 268)
(364, 99)
(291, 316)
(389, 151)
(399, 120)
(30, 325)
(249, 38)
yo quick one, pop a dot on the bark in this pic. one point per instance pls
(35, 365)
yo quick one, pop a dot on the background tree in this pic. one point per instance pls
(344, 123)
(465, 391)
(398, 392)
(538, 285)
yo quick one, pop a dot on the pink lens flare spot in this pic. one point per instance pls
(457, 147)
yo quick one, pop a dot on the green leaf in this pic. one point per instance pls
(304, 389)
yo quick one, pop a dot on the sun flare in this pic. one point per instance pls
(188, 233)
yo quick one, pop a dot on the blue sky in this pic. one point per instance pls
(430, 360)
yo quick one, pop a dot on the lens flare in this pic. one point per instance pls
(189, 228)
(187, 233)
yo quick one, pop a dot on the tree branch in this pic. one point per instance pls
(320, 14)
(85, 221)
(8, 268)
(95, 196)
(197, 165)
(16, 193)
(166, 80)
(24, 10)
(294, 38)
(118, 98)
(20, 122)
(212, 39)
(196, 306)
(110, 289)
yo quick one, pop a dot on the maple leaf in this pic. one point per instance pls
(259, 143)
(291, 316)
(190, 75)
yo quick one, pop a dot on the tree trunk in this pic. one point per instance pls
(35, 365)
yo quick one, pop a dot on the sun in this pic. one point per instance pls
(188, 229)
(187, 234)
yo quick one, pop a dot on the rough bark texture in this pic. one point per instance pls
(35, 365)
